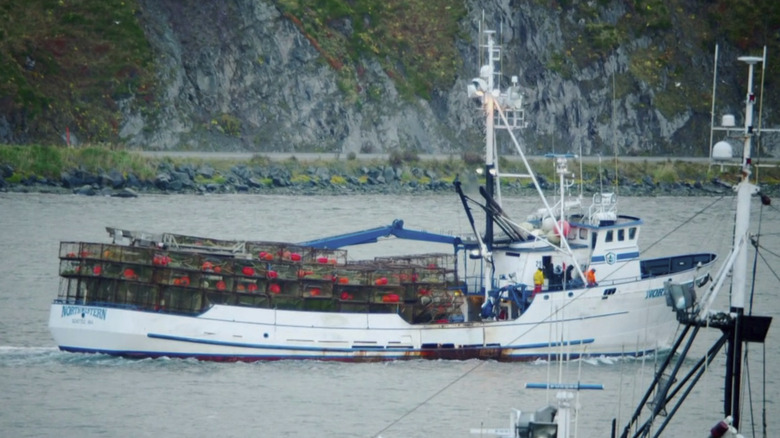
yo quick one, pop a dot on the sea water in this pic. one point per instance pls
(48, 393)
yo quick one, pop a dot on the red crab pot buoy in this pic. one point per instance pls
(390, 298)
(130, 274)
(564, 226)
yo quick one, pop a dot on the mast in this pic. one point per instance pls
(739, 271)
(737, 327)
(486, 73)
(486, 88)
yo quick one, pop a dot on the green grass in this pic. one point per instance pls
(65, 64)
(414, 40)
(51, 161)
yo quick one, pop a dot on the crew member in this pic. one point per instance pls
(538, 280)
(590, 276)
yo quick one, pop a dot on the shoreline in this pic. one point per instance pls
(715, 187)
(135, 173)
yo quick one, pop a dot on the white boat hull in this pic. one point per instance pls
(615, 320)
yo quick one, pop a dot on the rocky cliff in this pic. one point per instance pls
(246, 75)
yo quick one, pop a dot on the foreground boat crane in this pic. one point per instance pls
(738, 328)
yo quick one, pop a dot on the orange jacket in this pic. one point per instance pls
(591, 276)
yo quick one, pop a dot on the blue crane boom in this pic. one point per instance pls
(372, 235)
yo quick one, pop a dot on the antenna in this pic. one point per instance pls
(760, 108)
(601, 177)
(712, 109)
(614, 137)
(722, 151)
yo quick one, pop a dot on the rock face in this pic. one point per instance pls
(240, 76)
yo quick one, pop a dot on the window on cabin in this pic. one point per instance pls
(593, 237)
(583, 233)
(632, 233)
(609, 237)
(621, 235)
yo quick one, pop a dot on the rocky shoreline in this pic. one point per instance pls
(273, 179)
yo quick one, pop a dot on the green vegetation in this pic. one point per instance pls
(216, 179)
(338, 180)
(227, 124)
(666, 173)
(65, 64)
(299, 178)
(413, 40)
(50, 161)
(399, 157)
(664, 64)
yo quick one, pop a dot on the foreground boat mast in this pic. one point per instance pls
(737, 327)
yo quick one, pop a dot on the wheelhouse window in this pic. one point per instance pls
(609, 236)
(632, 233)
(621, 235)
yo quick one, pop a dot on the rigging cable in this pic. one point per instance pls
(684, 223)
(758, 255)
(746, 354)
(434, 395)
(774, 273)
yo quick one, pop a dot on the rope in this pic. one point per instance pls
(434, 395)
(758, 255)
(763, 404)
(684, 223)
(777, 277)
(766, 249)
(773, 207)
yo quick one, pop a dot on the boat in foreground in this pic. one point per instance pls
(678, 373)
(497, 294)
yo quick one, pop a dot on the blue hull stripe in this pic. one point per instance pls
(624, 256)
(366, 349)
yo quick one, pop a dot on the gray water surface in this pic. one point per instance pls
(47, 393)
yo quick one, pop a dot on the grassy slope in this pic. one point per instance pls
(65, 64)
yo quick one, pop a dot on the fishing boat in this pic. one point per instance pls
(493, 293)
